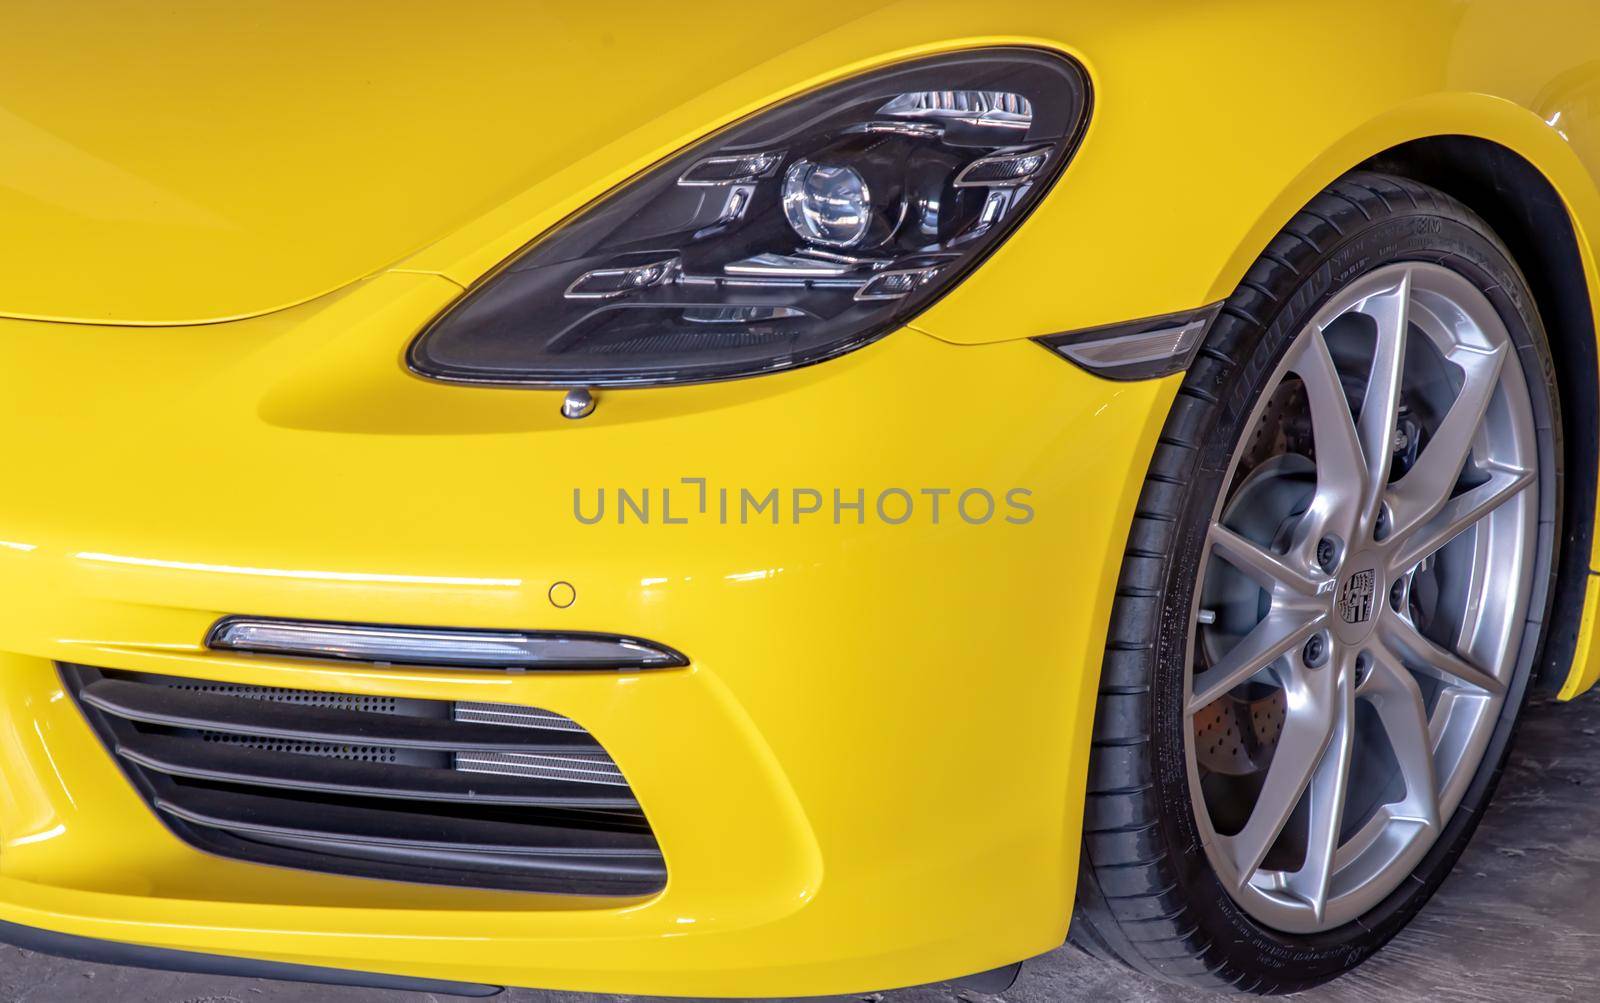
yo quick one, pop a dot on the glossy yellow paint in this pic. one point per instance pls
(1585, 670)
(872, 774)
(848, 734)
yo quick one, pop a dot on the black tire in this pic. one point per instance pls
(1147, 896)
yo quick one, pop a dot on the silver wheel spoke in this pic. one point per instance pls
(1423, 491)
(1281, 632)
(1307, 728)
(1341, 467)
(1380, 409)
(1398, 700)
(1429, 657)
(1458, 515)
(1329, 785)
(1270, 570)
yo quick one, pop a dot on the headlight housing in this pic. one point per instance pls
(791, 237)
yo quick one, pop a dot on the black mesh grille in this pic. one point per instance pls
(479, 794)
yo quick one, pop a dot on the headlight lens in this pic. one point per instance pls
(791, 237)
(827, 204)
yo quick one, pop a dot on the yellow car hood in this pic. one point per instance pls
(165, 165)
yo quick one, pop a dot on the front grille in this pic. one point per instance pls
(458, 793)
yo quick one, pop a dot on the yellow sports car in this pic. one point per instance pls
(715, 500)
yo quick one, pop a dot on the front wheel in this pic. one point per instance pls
(1331, 600)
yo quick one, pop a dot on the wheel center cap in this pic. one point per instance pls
(1355, 599)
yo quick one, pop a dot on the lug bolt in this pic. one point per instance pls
(1363, 667)
(1327, 553)
(1397, 595)
(1315, 651)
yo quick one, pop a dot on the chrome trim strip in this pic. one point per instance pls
(387, 644)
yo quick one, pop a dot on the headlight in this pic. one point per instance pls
(790, 237)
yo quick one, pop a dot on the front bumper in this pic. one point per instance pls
(871, 774)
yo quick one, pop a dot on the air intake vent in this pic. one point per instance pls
(480, 794)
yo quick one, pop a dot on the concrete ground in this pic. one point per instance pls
(1518, 920)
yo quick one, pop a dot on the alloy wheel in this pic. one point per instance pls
(1362, 597)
